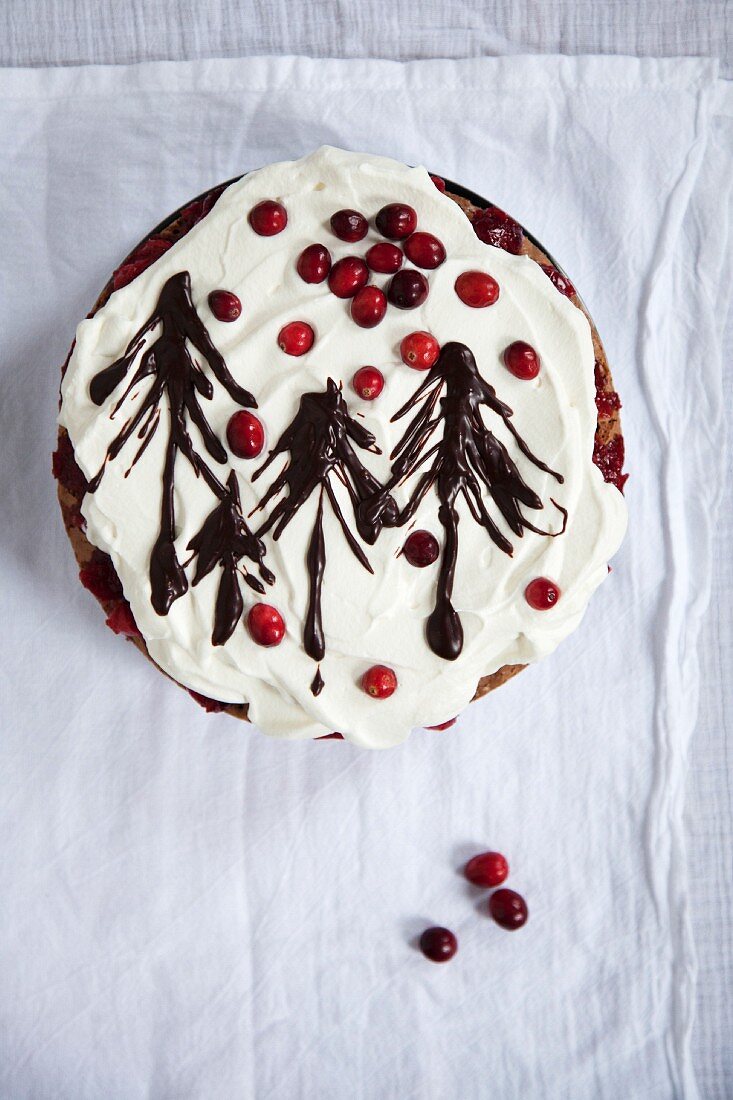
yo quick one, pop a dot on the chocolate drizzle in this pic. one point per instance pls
(224, 537)
(466, 457)
(318, 441)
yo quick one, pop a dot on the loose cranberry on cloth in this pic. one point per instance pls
(508, 908)
(487, 869)
(438, 944)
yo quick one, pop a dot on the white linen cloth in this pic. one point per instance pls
(191, 910)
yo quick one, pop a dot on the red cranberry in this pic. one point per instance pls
(439, 183)
(268, 218)
(379, 681)
(541, 594)
(425, 250)
(368, 306)
(477, 289)
(438, 944)
(266, 624)
(122, 621)
(224, 305)
(314, 263)
(508, 908)
(522, 360)
(368, 383)
(407, 289)
(384, 258)
(245, 434)
(396, 221)
(349, 225)
(347, 276)
(558, 280)
(495, 227)
(419, 350)
(295, 338)
(443, 725)
(421, 548)
(487, 869)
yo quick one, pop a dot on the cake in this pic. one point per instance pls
(339, 449)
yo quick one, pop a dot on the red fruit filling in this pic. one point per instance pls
(493, 226)
(148, 252)
(209, 705)
(439, 183)
(100, 578)
(122, 621)
(65, 469)
(609, 458)
(558, 280)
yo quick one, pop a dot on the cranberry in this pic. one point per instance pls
(368, 306)
(122, 621)
(425, 250)
(384, 258)
(266, 624)
(558, 280)
(268, 218)
(487, 869)
(419, 350)
(347, 276)
(421, 548)
(295, 338)
(379, 681)
(522, 360)
(349, 225)
(245, 434)
(495, 227)
(314, 263)
(368, 383)
(438, 944)
(541, 594)
(396, 221)
(407, 289)
(477, 289)
(439, 183)
(224, 305)
(508, 908)
(443, 725)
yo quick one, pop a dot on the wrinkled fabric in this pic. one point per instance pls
(191, 910)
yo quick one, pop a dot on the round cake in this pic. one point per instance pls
(339, 449)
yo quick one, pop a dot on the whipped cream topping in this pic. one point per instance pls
(368, 618)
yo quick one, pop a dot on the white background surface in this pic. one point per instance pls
(69, 32)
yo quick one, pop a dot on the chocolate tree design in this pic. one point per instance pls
(318, 441)
(224, 538)
(467, 457)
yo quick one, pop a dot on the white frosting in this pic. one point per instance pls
(368, 619)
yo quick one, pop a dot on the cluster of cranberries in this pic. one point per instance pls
(508, 908)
